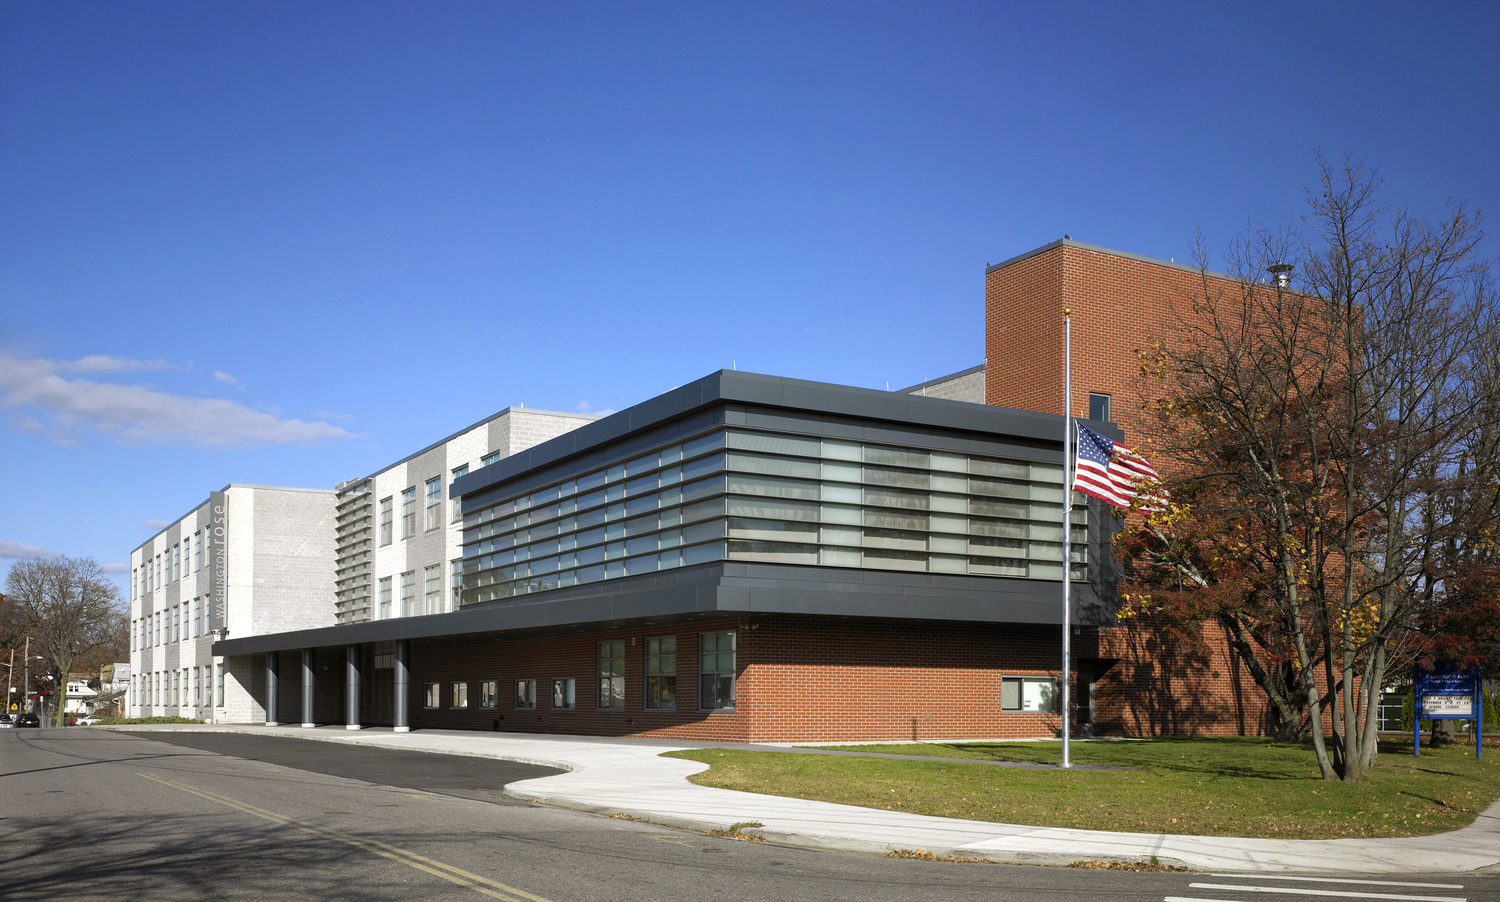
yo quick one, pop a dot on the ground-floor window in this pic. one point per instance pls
(460, 695)
(716, 652)
(219, 685)
(612, 674)
(562, 694)
(1028, 694)
(489, 694)
(433, 696)
(661, 673)
(525, 693)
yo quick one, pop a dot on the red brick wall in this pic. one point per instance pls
(798, 680)
(1119, 305)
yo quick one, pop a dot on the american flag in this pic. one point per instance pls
(1111, 472)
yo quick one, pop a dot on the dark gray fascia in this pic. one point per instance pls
(728, 387)
(725, 588)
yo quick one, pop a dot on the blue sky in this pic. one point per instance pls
(290, 243)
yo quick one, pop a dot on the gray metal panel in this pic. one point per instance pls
(712, 590)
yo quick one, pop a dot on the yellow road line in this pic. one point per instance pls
(411, 859)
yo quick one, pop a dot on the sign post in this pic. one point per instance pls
(1447, 695)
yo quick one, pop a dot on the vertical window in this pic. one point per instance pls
(716, 671)
(490, 458)
(612, 674)
(177, 561)
(525, 694)
(198, 552)
(455, 582)
(133, 572)
(176, 623)
(460, 695)
(1098, 406)
(661, 673)
(386, 515)
(435, 502)
(408, 512)
(432, 588)
(489, 694)
(458, 508)
(197, 687)
(409, 593)
(562, 694)
(433, 697)
(219, 685)
(385, 598)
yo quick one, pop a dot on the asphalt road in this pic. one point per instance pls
(93, 814)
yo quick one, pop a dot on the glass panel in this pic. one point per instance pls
(842, 472)
(895, 538)
(999, 487)
(840, 557)
(703, 444)
(992, 508)
(942, 563)
(841, 535)
(953, 463)
(774, 444)
(771, 466)
(999, 547)
(950, 544)
(895, 560)
(896, 457)
(771, 487)
(848, 494)
(671, 455)
(898, 498)
(988, 566)
(834, 449)
(1011, 529)
(698, 554)
(778, 509)
(836, 513)
(893, 520)
(641, 464)
(773, 552)
(905, 479)
(1008, 469)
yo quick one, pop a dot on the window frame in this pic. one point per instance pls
(459, 699)
(566, 689)
(525, 695)
(408, 512)
(1020, 681)
(387, 520)
(610, 683)
(434, 502)
(432, 696)
(658, 657)
(710, 696)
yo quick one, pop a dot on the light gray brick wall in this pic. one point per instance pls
(964, 386)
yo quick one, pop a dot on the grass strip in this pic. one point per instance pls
(1213, 787)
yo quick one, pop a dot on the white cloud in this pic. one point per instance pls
(228, 380)
(19, 550)
(155, 525)
(100, 364)
(587, 408)
(138, 413)
(116, 568)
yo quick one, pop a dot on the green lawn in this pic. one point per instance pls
(1217, 787)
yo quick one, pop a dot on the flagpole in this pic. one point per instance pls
(1067, 576)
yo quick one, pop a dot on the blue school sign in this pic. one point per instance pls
(1448, 695)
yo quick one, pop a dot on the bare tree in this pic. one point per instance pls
(68, 608)
(1325, 447)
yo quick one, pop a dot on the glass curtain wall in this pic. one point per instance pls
(747, 495)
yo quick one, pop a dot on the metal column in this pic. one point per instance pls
(351, 698)
(271, 688)
(307, 687)
(402, 679)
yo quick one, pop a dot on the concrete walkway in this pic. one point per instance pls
(628, 776)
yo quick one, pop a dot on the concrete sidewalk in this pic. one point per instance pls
(628, 776)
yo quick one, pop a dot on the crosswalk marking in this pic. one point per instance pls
(1307, 891)
(1341, 880)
